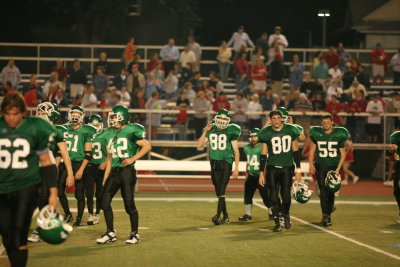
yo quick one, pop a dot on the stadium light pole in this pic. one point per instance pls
(324, 13)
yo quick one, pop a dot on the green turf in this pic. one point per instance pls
(174, 237)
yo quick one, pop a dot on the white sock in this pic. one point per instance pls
(249, 207)
(269, 211)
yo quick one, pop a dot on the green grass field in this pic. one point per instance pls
(180, 233)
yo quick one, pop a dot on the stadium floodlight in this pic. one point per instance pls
(324, 13)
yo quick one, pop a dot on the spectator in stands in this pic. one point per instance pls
(187, 56)
(301, 102)
(296, 73)
(348, 76)
(242, 70)
(318, 103)
(89, 100)
(196, 49)
(374, 129)
(138, 102)
(262, 43)
(53, 80)
(10, 73)
(249, 91)
(125, 96)
(129, 52)
(354, 64)
(154, 59)
(185, 74)
(205, 87)
(355, 86)
(135, 80)
(259, 74)
(159, 74)
(393, 106)
(321, 72)
(171, 86)
(344, 56)
(59, 99)
(103, 63)
(8, 87)
(224, 64)
(31, 97)
(77, 80)
(169, 54)
(278, 38)
(286, 100)
(276, 68)
(334, 89)
(379, 64)
(190, 93)
(332, 57)
(309, 87)
(151, 85)
(334, 107)
(359, 105)
(120, 79)
(155, 103)
(201, 106)
(105, 101)
(218, 85)
(117, 100)
(254, 106)
(239, 107)
(317, 56)
(238, 39)
(268, 101)
(32, 82)
(100, 82)
(258, 54)
(62, 72)
(363, 77)
(221, 102)
(183, 105)
(336, 73)
(395, 63)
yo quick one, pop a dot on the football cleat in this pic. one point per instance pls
(216, 220)
(90, 220)
(281, 220)
(287, 222)
(109, 236)
(96, 218)
(34, 237)
(270, 216)
(68, 218)
(277, 228)
(134, 238)
(355, 179)
(245, 218)
(78, 222)
(326, 220)
(225, 220)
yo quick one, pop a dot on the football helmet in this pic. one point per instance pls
(333, 181)
(253, 132)
(285, 113)
(222, 119)
(51, 227)
(48, 111)
(97, 122)
(118, 114)
(76, 114)
(301, 193)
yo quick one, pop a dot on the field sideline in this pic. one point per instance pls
(176, 231)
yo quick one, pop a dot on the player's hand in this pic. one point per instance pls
(102, 166)
(53, 201)
(261, 179)
(235, 174)
(70, 181)
(299, 177)
(209, 126)
(78, 174)
(128, 161)
(393, 147)
(312, 169)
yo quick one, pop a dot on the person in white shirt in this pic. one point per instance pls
(336, 73)
(334, 89)
(254, 106)
(187, 56)
(395, 63)
(171, 85)
(196, 49)
(89, 100)
(125, 96)
(280, 38)
(374, 129)
(240, 38)
(224, 64)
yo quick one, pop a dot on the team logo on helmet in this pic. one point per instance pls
(222, 119)
(301, 193)
(333, 181)
(51, 226)
(76, 114)
(285, 113)
(48, 111)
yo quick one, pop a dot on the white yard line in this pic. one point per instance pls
(396, 257)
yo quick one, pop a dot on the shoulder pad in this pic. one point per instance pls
(234, 127)
(89, 128)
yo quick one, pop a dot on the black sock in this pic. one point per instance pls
(64, 204)
(81, 208)
(109, 217)
(134, 221)
(18, 257)
(221, 203)
(224, 208)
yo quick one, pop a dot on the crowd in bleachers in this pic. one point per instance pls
(335, 82)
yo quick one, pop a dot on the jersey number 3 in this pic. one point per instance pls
(15, 159)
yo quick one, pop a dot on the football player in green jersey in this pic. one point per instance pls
(222, 137)
(279, 141)
(253, 152)
(289, 119)
(327, 149)
(395, 147)
(79, 143)
(24, 144)
(127, 146)
(51, 113)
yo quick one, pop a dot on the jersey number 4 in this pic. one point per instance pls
(15, 159)
(218, 141)
(253, 162)
(327, 149)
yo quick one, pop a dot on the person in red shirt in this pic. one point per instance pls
(221, 102)
(259, 73)
(61, 70)
(332, 58)
(242, 70)
(379, 63)
(31, 97)
(334, 107)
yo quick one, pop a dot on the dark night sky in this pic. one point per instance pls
(219, 20)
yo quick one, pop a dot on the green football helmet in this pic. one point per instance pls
(222, 119)
(333, 181)
(253, 132)
(51, 226)
(284, 112)
(48, 111)
(301, 193)
(118, 114)
(76, 114)
(97, 122)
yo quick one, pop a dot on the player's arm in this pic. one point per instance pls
(85, 162)
(297, 159)
(49, 173)
(302, 137)
(203, 139)
(108, 168)
(145, 147)
(311, 156)
(67, 162)
(342, 151)
(263, 163)
(236, 154)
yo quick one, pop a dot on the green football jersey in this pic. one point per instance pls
(299, 127)
(219, 142)
(253, 159)
(58, 138)
(100, 143)
(328, 145)
(124, 143)
(279, 144)
(395, 139)
(19, 162)
(76, 140)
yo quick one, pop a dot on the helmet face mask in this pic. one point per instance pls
(76, 115)
(118, 115)
(301, 193)
(222, 119)
(285, 113)
(253, 136)
(51, 227)
(333, 181)
(97, 122)
(48, 111)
